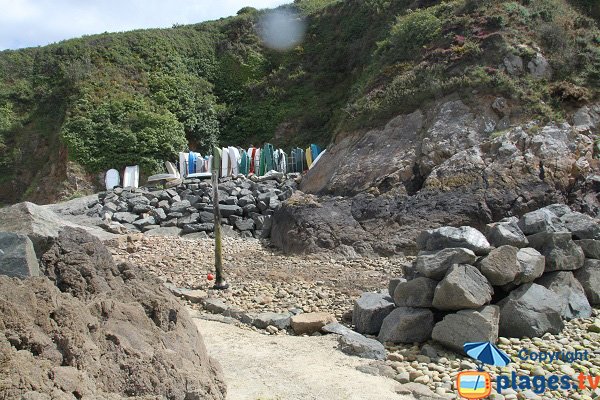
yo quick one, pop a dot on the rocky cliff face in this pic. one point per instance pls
(454, 164)
(92, 329)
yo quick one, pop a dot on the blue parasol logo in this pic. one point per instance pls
(486, 353)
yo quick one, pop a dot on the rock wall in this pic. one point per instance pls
(246, 207)
(92, 329)
(521, 279)
(452, 165)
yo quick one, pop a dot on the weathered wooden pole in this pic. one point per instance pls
(220, 282)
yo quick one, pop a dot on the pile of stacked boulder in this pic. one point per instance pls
(246, 207)
(523, 278)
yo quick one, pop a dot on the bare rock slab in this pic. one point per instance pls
(417, 292)
(171, 231)
(463, 287)
(589, 277)
(447, 236)
(309, 323)
(530, 311)
(435, 264)
(17, 256)
(480, 325)
(369, 311)
(407, 325)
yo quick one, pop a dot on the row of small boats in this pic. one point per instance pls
(258, 161)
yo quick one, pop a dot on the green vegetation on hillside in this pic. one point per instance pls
(140, 97)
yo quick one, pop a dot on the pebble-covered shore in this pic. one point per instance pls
(262, 279)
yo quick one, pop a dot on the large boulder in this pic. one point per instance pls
(435, 264)
(369, 311)
(589, 277)
(479, 325)
(581, 226)
(542, 220)
(531, 265)
(590, 247)
(407, 325)
(501, 266)
(531, 310)
(99, 330)
(562, 254)
(463, 287)
(506, 232)
(574, 301)
(447, 236)
(394, 282)
(39, 223)
(417, 292)
(17, 256)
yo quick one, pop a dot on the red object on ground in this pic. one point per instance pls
(210, 277)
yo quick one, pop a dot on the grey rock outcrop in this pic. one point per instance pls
(463, 287)
(435, 264)
(417, 293)
(443, 169)
(589, 277)
(530, 310)
(539, 67)
(574, 301)
(407, 325)
(479, 325)
(369, 312)
(17, 256)
(562, 254)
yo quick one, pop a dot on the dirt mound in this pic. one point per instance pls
(95, 329)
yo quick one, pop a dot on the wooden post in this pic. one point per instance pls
(220, 282)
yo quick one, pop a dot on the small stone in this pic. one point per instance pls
(308, 323)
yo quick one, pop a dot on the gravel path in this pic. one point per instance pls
(259, 366)
(261, 278)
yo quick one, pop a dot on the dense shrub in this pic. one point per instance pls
(122, 132)
(410, 33)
